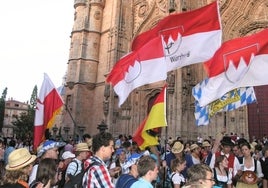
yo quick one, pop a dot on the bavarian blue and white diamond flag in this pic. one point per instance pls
(228, 102)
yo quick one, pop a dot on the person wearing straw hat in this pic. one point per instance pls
(20, 164)
(76, 166)
(176, 152)
(206, 149)
(193, 158)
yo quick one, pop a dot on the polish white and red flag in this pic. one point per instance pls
(48, 105)
(189, 37)
(240, 62)
(176, 41)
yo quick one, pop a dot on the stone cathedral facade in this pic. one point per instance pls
(102, 33)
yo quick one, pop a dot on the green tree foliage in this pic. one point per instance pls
(33, 98)
(25, 122)
(2, 108)
(24, 126)
(33, 102)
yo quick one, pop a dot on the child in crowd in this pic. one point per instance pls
(177, 166)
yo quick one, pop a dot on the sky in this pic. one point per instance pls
(34, 39)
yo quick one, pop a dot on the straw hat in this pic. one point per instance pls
(177, 147)
(193, 146)
(19, 158)
(81, 147)
(206, 144)
(89, 142)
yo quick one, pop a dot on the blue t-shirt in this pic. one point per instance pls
(142, 183)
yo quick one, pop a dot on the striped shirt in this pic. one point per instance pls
(74, 168)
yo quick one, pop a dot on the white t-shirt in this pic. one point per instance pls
(177, 178)
(32, 176)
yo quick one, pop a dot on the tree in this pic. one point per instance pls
(24, 125)
(25, 122)
(33, 101)
(2, 108)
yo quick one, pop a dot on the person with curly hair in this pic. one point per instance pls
(18, 168)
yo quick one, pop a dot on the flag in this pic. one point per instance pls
(49, 104)
(228, 102)
(145, 135)
(176, 41)
(138, 68)
(189, 37)
(240, 62)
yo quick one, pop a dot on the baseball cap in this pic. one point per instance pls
(67, 155)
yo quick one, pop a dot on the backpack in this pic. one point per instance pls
(77, 180)
(125, 181)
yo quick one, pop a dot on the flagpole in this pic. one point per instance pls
(166, 138)
(259, 120)
(69, 112)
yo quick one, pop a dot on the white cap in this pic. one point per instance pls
(67, 155)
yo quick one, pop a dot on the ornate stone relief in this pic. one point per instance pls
(142, 10)
(244, 19)
(147, 14)
(162, 5)
(224, 3)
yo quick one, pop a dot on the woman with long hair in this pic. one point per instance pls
(47, 175)
(223, 178)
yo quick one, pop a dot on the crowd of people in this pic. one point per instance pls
(102, 161)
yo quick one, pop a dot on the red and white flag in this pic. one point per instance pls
(189, 37)
(240, 62)
(144, 66)
(49, 104)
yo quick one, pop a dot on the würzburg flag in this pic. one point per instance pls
(144, 66)
(49, 104)
(189, 37)
(240, 62)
